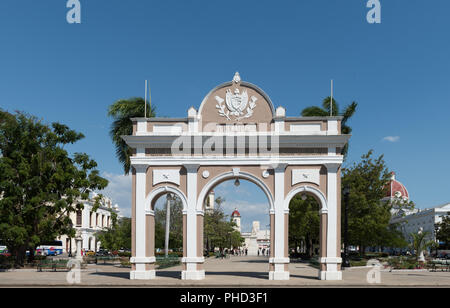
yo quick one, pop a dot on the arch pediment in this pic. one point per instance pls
(236, 102)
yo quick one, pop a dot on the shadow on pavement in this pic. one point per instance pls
(123, 275)
(257, 275)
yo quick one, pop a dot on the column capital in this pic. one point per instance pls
(140, 168)
(279, 167)
(332, 167)
(191, 168)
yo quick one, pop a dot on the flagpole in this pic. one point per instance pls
(331, 102)
(145, 106)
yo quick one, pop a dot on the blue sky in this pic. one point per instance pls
(398, 71)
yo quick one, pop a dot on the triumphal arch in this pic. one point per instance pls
(236, 134)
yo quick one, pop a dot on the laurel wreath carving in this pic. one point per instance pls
(226, 113)
(222, 111)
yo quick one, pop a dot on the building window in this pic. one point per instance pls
(79, 219)
(90, 219)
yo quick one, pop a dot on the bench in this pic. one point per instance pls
(53, 265)
(443, 265)
(106, 259)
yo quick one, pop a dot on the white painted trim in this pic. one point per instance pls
(142, 275)
(193, 275)
(142, 260)
(191, 219)
(161, 190)
(330, 275)
(141, 178)
(333, 127)
(279, 275)
(279, 249)
(330, 260)
(193, 260)
(332, 211)
(230, 175)
(307, 189)
(279, 260)
(235, 161)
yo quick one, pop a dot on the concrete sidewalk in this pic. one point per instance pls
(232, 272)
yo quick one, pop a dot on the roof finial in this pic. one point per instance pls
(237, 78)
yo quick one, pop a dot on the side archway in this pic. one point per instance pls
(316, 193)
(323, 212)
(155, 194)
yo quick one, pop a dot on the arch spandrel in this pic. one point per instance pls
(321, 184)
(235, 103)
(181, 182)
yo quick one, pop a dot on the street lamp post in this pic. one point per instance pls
(436, 230)
(346, 261)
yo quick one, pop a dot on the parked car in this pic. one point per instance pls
(102, 253)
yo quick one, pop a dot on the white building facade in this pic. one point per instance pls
(426, 220)
(87, 223)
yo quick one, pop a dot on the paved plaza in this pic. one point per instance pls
(232, 272)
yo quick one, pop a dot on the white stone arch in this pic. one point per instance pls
(164, 190)
(307, 189)
(231, 175)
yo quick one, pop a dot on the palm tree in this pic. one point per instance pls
(420, 243)
(325, 111)
(122, 111)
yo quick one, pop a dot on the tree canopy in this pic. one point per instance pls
(369, 217)
(443, 233)
(175, 226)
(332, 108)
(122, 111)
(118, 236)
(40, 183)
(304, 223)
(219, 230)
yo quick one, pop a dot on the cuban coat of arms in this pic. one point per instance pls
(237, 104)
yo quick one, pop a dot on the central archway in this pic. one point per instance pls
(258, 240)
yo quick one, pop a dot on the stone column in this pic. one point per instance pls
(78, 241)
(141, 269)
(330, 265)
(193, 260)
(280, 261)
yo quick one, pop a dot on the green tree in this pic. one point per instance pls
(118, 236)
(219, 230)
(122, 112)
(369, 217)
(304, 223)
(175, 227)
(443, 233)
(40, 183)
(326, 111)
(420, 243)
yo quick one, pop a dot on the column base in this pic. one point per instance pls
(142, 275)
(330, 276)
(193, 275)
(282, 275)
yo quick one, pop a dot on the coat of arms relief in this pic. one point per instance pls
(237, 104)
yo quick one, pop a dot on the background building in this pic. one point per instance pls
(257, 242)
(412, 221)
(87, 223)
